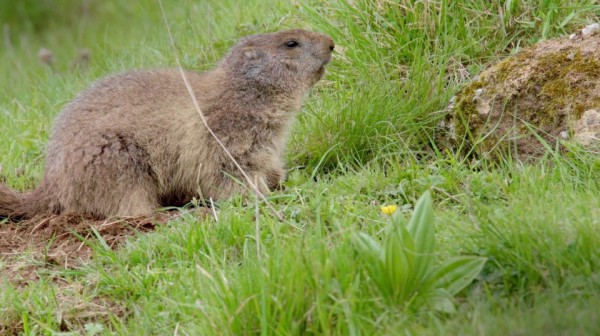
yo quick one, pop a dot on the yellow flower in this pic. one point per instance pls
(389, 209)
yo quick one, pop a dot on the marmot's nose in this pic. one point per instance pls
(327, 42)
(331, 44)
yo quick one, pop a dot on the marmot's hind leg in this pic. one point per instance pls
(109, 175)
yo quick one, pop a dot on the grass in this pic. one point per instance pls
(361, 141)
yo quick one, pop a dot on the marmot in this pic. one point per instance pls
(134, 142)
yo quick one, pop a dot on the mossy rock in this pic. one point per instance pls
(544, 95)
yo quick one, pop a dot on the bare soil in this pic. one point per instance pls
(42, 244)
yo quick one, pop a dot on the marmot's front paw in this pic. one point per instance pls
(275, 179)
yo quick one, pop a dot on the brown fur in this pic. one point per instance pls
(134, 142)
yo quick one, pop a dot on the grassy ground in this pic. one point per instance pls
(362, 140)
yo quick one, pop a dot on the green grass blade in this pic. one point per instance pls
(441, 300)
(373, 255)
(456, 273)
(399, 261)
(421, 227)
(368, 247)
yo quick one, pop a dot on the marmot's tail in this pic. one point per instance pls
(11, 203)
(16, 206)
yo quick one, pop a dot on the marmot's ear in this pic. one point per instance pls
(252, 53)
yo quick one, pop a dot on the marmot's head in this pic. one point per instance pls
(289, 60)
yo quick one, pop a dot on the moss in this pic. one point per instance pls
(466, 108)
(559, 80)
(506, 68)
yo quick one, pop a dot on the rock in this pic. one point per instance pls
(547, 93)
(590, 30)
(587, 129)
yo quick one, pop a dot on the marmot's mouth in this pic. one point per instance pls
(320, 72)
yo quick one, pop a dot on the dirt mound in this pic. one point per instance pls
(546, 93)
(60, 241)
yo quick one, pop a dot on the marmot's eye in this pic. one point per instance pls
(292, 44)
